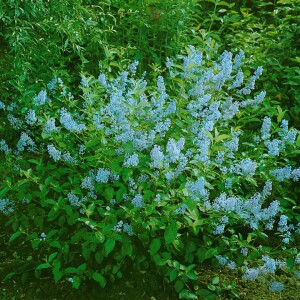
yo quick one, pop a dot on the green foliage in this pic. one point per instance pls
(98, 179)
(78, 232)
(268, 31)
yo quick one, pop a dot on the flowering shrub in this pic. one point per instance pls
(170, 174)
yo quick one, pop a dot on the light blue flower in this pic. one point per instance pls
(265, 129)
(51, 85)
(251, 274)
(67, 120)
(181, 209)
(276, 286)
(67, 157)
(137, 201)
(102, 175)
(4, 147)
(127, 229)
(50, 126)
(196, 188)
(157, 157)
(244, 251)
(131, 160)
(26, 141)
(74, 200)
(238, 60)
(282, 173)
(231, 265)
(41, 98)
(132, 67)
(221, 259)
(54, 153)
(6, 206)
(88, 183)
(14, 122)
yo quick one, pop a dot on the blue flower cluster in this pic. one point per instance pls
(251, 210)
(41, 98)
(222, 260)
(43, 236)
(131, 160)
(30, 117)
(197, 189)
(88, 183)
(137, 201)
(6, 206)
(54, 153)
(103, 175)
(125, 227)
(286, 172)
(50, 126)
(181, 209)
(4, 147)
(276, 286)
(15, 123)
(76, 201)
(70, 124)
(221, 226)
(26, 141)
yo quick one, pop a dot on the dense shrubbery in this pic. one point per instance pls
(177, 166)
(171, 172)
(37, 36)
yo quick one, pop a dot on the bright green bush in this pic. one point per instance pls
(168, 172)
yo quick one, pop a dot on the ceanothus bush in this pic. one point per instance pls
(133, 169)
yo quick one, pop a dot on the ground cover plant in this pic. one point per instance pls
(167, 173)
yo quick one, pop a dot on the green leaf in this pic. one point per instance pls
(215, 280)
(15, 236)
(128, 147)
(158, 260)
(126, 174)
(155, 246)
(192, 275)
(43, 266)
(35, 243)
(100, 236)
(76, 282)
(57, 275)
(34, 161)
(55, 244)
(4, 191)
(179, 285)
(71, 270)
(108, 193)
(204, 292)
(52, 256)
(81, 268)
(173, 275)
(120, 194)
(210, 253)
(186, 294)
(109, 246)
(9, 276)
(222, 137)
(23, 181)
(290, 263)
(170, 232)
(100, 279)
